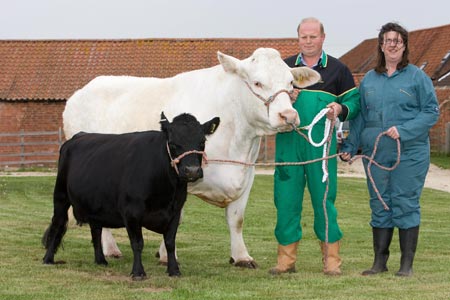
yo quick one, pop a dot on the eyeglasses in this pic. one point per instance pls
(393, 41)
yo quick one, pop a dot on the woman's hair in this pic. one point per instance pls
(381, 61)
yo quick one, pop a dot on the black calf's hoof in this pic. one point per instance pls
(175, 274)
(58, 262)
(138, 277)
(102, 262)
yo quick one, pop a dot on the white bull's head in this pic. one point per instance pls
(269, 82)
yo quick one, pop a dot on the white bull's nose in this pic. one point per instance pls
(290, 116)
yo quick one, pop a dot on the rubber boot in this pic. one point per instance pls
(330, 258)
(408, 245)
(382, 238)
(287, 256)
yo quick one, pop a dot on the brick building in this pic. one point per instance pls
(38, 76)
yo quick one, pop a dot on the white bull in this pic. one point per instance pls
(235, 91)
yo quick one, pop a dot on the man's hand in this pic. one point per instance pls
(294, 94)
(335, 110)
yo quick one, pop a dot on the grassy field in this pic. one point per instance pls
(203, 250)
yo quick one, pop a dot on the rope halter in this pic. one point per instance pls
(269, 100)
(174, 162)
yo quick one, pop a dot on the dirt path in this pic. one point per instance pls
(437, 178)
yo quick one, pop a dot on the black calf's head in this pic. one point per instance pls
(186, 134)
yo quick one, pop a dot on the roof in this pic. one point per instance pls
(55, 69)
(429, 47)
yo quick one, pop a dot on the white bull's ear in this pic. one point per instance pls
(304, 76)
(229, 63)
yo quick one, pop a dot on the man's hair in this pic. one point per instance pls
(311, 19)
(381, 61)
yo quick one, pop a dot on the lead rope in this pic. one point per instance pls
(326, 134)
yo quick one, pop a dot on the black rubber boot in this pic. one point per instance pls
(382, 238)
(408, 244)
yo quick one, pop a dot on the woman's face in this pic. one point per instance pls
(393, 47)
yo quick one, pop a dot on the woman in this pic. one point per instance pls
(397, 98)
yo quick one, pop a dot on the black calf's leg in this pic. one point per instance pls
(137, 245)
(169, 240)
(96, 233)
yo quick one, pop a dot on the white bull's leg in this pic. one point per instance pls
(109, 245)
(235, 219)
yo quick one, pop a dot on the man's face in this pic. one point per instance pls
(310, 39)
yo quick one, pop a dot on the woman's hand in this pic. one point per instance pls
(345, 156)
(393, 133)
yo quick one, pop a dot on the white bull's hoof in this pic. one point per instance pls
(250, 264)
(163, 260)
(112, 252)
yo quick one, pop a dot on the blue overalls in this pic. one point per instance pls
(407, 100)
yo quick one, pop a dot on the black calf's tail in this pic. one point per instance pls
(54, 234)
(52, 238)
(47, 237)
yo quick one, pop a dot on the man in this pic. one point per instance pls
(336, 91)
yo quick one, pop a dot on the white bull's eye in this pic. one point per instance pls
(258, 84)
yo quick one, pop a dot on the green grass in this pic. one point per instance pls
(203, 250)
(441, 160)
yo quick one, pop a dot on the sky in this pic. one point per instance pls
(347, 22)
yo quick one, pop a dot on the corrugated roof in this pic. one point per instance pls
(55, 69)
(427, 46)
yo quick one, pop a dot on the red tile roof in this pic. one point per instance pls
(55, 69)
(427, 46)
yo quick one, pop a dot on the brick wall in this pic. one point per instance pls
(30, 116)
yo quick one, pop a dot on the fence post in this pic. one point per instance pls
(265, 148)
(447, 139)
(59, 137)
(22, 147)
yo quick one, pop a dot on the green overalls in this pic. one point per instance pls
(337, 85)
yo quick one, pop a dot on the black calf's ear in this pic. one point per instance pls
(164, 122)
(211, 126)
